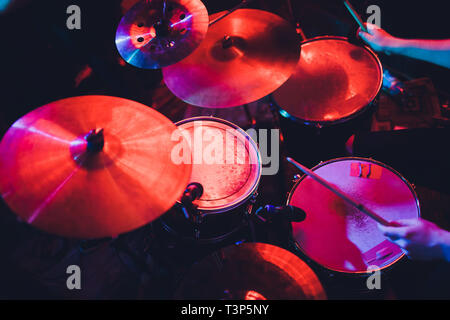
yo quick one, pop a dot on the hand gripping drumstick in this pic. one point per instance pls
(340, 194)
(355, 15)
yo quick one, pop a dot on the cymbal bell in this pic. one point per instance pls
(244, 57)
(251, 271)
(90, 167)
(158, 33)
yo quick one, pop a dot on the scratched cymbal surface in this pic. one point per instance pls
(243, 58)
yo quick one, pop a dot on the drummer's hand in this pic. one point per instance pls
(378, 39)
(419, 239)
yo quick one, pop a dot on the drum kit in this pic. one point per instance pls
(94, 167)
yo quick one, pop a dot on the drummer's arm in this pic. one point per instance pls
(420, 239)
(434, 51)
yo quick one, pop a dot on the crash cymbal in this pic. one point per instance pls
(243, 58)
(158, 33)
(90, 167)
(251, 271)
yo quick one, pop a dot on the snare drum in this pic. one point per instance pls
(227, 163)
(330, 95)
(337, 236)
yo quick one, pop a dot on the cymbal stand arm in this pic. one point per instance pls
(295, 21)
(243, 4)
(250, 118)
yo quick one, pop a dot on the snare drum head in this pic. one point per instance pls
(225, 161)
(338, 236)
(334, 80)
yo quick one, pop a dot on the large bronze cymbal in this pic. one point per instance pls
(90, 167)
(244, 57)
(251, 271)
(158, 33)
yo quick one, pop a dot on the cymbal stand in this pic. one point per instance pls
(243, 4)
(251, 119)
(295, 21)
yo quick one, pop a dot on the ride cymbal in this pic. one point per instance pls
(251, 271)
(243, 58)
(90, 167)
(158, 33)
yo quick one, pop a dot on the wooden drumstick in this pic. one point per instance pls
(342, 195)
(355, 15)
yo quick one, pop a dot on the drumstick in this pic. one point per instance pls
(355, 15)
(340, 194)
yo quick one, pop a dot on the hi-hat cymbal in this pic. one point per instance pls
(90, 167)
(158, 33)
(251, 271)
(244, 57)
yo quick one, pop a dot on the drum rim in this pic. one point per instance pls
(321, 164)
(253, 190)
(327, 123)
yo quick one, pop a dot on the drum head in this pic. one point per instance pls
(334, 81)
(338, 236)
(225, 161)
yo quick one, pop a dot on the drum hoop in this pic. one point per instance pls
(253, 190)
(325, 123)
(411, 188)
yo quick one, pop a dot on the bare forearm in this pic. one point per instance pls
(434, 51)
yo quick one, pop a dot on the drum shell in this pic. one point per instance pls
(311, 143)
(217, 219)
(213, 228)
